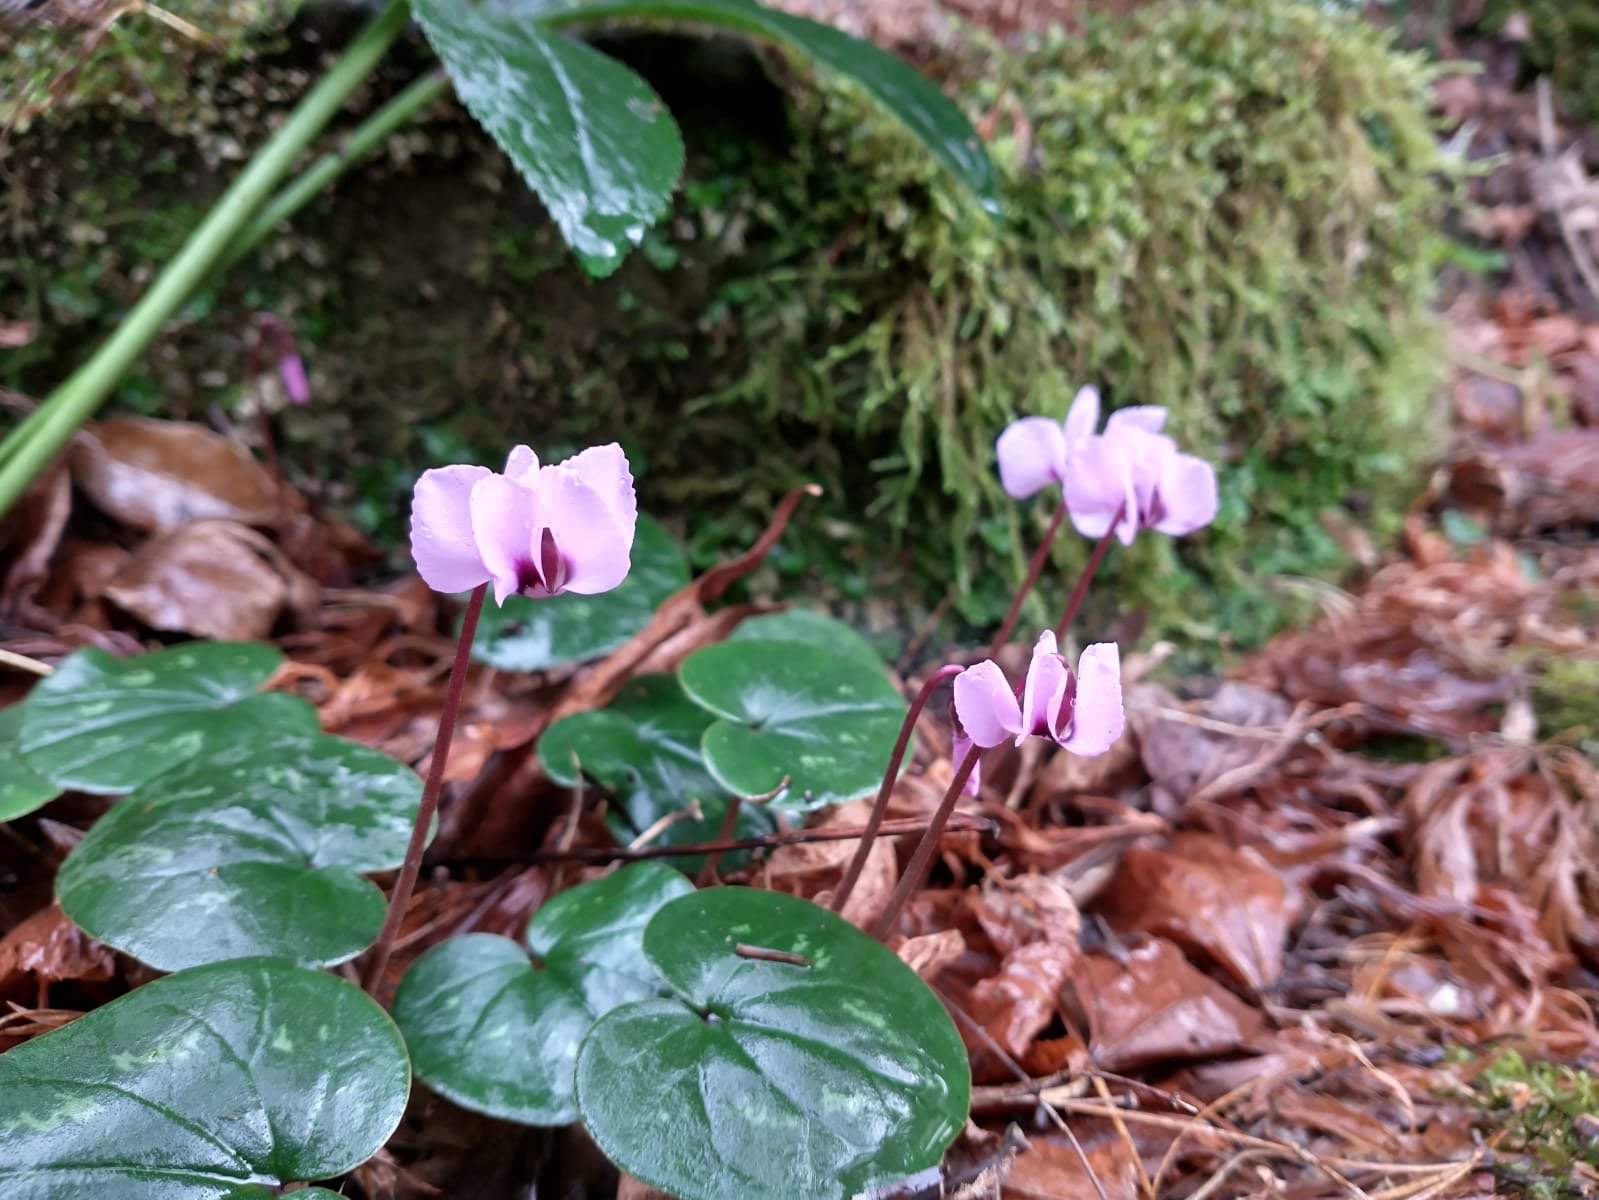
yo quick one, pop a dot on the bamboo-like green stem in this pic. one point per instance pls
(23, 457)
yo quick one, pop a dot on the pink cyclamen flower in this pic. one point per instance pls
(1129, 477)
(533, 531)
(1080, 711)
(296, 386)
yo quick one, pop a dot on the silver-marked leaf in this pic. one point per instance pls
(214, 1084)
(22, 789)
(253, 848)
(808, 627)
(587, 133)
(104, 724)
(534, 635)
(497, 1032)
(644, 747)
(826, 722)
(763, 1080)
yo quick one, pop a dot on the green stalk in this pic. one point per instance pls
(28, 450)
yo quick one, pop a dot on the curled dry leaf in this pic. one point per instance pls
(48, 948)
(158, 475)
(929, 953)
(1182, 747)
(30, 535)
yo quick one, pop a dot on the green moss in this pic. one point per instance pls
(1563, 34)
(1550, 1115)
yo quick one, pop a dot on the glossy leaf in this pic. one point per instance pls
(905, 93)
(215, 1084)
(254, 848)
(534, 635)
(825, 721)
(498, 1033)
(587, 133)
(770, 1079)
(22, 789)
(104, 724)
(810, 628)
(644, 748)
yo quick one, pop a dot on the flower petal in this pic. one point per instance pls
(522, 465)
(963, 746)
(506, 518)
(606, 472)
(1187, 495)
(1147, 418)
(1098, 485)
(1048, 678)
(1032, 455)
(442, 542)
(594, 541)
(1082, 418)
(1097, 716)
(985, 705)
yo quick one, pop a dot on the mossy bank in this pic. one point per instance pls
(1226, 208)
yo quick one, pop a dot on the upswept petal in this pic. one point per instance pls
(1082, 418)
(442, 543)
(1149, 418)
(1187, 495)
(1098, 485)
(605, 471)
(522, 465)
(594, 541)
(506, 518)
(1097, 716)
(1032, 455)
(985, 705)
(1044, 690)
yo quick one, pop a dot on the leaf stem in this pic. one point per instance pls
(1075, 602)
(1034, 567)
(923, 858)
(405, 885)
(880, 805)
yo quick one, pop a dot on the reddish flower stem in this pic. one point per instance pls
(880, 805)
(1034, 568)
(1080, 591)
(405, 885)
(923, 858)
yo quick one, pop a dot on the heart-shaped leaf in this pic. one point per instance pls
(533, 635)
(253, 848)
(498, 1033)
(220, 1083)
(590, 136)
(825, 721)
(22, 789)
(818, 1078)
(104, 724)
(809, 628)
(644, 747)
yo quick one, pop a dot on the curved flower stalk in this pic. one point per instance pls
(532, 531)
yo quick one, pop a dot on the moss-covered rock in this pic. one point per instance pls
(1226, 208)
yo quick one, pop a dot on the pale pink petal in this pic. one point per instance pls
(506, 518)
(522, 466)
(1048, 677)
(1147, 418)
(442, 542)
(1032, 455)
(1187, 495)
(604, 469)
(1097, 716)
(1098, 485)
(985, 705)
(594, 542)
(963, 746)
(1082, 418)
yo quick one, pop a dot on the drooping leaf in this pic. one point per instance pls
(644, 747)
(534, 635)
(104, 724)
(214, 1084)
(22, 789)
(498, 1033)
(252, 848)
(808, 627)
(772, 1079)
(590, 136)
(824, 721)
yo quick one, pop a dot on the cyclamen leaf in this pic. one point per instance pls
(766, 1079)
(106, 725)
(590, 136)
(22, 789)
(214, 1084)
(253, 848)
(497, 1032)
(808, 627)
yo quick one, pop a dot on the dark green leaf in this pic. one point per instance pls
(591, 137)
(645, 749)
(218, 1083)
(769, 1079)
(497, 1033)
(533, 635)
(254, 848)
(104, 724)
(22, 789)
(825, 721)
(808, 627)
